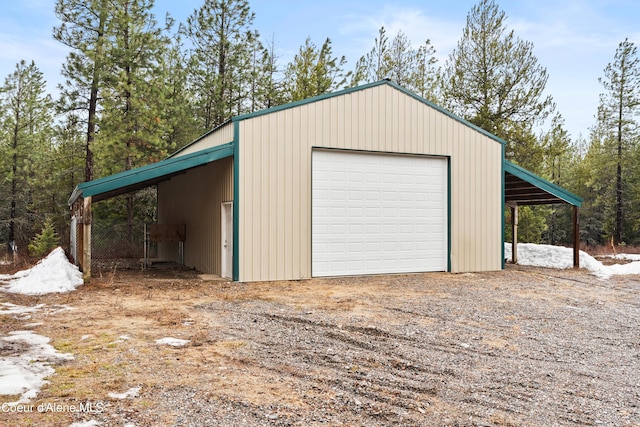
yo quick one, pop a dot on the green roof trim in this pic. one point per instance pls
(543, 184)
(154, 172)
(363, 87)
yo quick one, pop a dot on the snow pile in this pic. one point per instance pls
(26, 363)
(175, 342)
(561, 257)
(52, 274)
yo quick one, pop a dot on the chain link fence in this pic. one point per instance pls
(117, 243)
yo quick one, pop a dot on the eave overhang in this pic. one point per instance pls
(522, 187)
(145, 176)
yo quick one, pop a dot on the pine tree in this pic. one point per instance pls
(132, 130)
(82, 28)
(47, 240)
(559, 166)
(398, 60)
(618, 116)
(493, 79)
(263, 88)
(596, 174)
(178, 112)
(314, 71)
(426, 74)
(269, 85)
(27, 122)
(374, 65)
(131, 127)
(221, 34)
(63, 164)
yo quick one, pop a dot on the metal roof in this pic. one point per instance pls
(341, 93)
(522, 187)
(139, 178)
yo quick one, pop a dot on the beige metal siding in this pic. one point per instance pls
(194, 199)
(275, 176)
(220, 136)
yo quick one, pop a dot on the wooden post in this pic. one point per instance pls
(77, 213)
(514, 234)
(86, 240)
(576, 237)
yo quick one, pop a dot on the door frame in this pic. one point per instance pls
(226, 240)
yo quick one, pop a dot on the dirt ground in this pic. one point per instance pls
(521, 347)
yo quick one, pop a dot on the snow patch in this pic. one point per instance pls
(175, 342)
(562, 257)
(26, 363)
(90, 423)
(129, 394)
(54, 273)
(626, 257)
(19, 310)
(23, 312)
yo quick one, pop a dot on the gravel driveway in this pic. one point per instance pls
(521, 347)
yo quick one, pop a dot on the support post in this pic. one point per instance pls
(86, 240)
(576, 237)
(80, 247)
(514, 234)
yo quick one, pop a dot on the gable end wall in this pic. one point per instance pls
(275, 176)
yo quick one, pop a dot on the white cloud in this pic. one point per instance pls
(361, 30)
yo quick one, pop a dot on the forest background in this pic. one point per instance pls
(136, 88)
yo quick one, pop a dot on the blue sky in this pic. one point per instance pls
(573, 39)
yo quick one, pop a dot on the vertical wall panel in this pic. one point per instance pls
(275, 167)
(222, 135)
(199, 209)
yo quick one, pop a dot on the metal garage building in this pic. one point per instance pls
(368, 180)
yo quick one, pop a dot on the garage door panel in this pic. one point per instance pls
(393, 221)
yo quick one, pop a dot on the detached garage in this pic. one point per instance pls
(368, 180)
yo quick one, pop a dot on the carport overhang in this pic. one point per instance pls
(129, 181)
(524, 188)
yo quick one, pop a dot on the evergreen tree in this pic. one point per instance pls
(314, 71)
(426, 75)
(263, 90)
(47, 240)
(132, 129)
(618, 116)
(374, 65)
(493, 79)
(596, 173)
(63, 166)
(27, 129)
(82, 28)
(414, 69)
(559, 165)
(221, 34)
(178, 112)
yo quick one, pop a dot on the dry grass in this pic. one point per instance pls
(274, 345)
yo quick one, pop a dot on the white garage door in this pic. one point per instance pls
(378, 213)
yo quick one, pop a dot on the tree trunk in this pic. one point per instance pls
(93, 97)
(14, 173)
(619, 209)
